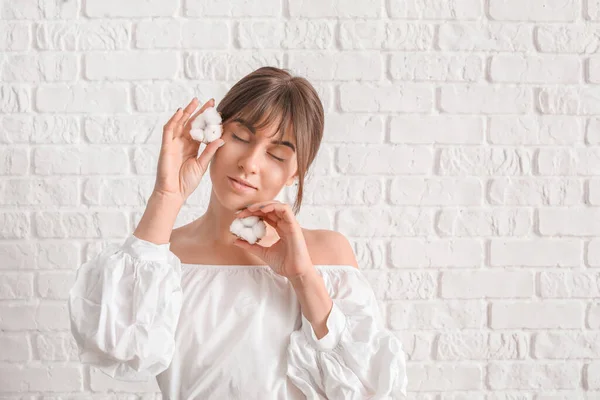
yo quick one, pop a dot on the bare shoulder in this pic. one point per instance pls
(329, 247)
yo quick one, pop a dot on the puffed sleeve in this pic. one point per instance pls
(358, 358)
(124, 307)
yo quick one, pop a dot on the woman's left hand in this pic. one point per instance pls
(289, 256)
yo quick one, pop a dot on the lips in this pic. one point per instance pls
(242, 182)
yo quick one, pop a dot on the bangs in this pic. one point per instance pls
(272, 108)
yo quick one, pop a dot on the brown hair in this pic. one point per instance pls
(271, 94)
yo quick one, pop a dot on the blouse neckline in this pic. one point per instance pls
(254, 266)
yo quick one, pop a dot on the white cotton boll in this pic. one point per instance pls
(206, 127)
(251, 228)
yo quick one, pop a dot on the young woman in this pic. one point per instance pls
(213, 317)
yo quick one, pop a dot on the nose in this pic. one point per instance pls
(250, 159)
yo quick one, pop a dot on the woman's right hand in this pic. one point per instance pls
(179, 171)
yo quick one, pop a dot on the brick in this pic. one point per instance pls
(593, 10)
(593, 253)
(345, 66)
(541, 10)
(535, 253)
(158, 34)
(451, 253)
(593, 70)
(15, 99)
(438, 315)
(350, 128)
(291, 34)
(535, 191)
(101, 129)
(14, 225)
(56, 346)
(594, 192)
(549, 314)
(39, 68)
(15, 347)
(132, 8)
(217, 66)
(36, 10)
(569, 161)
(410, 285)
(356, 35)
(381, 97)
(47, 192)
(569, 221)
(445, 377)
(336, 8)
(592, 372)
(205, 34)
(131, 66)
(16, 36)
(97, 224)
(435, 129)
(16, 285)
(479, 36)
(92, 35)
(55, 284)
(85, 160)
(408, 221)
(117, 191)
(569, 284)
(593, 316)
(15, 161)
(343, 191)
(566, 345)
(459, 346)
(518, 68)
(436, 191)
(437, 9)
(535, 130)
(52, 378)
(491, 161)
(568, 100)
(235, 8)
(384, 159)
(17, 316)
(105, 98)
(436, 67)
(534, 376)
(53, 129)
(464, 222)
(480, 99)
(593, 131)
(484, 284)
(572, 38)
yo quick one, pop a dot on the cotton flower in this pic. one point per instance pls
(251, 228)
(207, 127)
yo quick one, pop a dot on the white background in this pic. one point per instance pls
(461, 158)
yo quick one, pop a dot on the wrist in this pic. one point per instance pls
(306, 279)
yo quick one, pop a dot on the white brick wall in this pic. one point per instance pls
(461, 157)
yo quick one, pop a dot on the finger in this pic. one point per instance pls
(208, 153)
(262, 204)
(168, 128)
(187, 111)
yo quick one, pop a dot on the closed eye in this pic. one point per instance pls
(241, 140)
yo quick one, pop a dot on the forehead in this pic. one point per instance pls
(269, 130)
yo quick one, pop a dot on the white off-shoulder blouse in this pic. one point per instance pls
(229, 331)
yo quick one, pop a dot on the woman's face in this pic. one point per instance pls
(254, 158)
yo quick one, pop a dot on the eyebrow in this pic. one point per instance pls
(253, 131)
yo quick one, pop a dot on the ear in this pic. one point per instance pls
(291, 180)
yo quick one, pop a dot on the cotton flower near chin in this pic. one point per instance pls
(251, 228)
(207, 127)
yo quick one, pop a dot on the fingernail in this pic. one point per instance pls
(222, 143)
